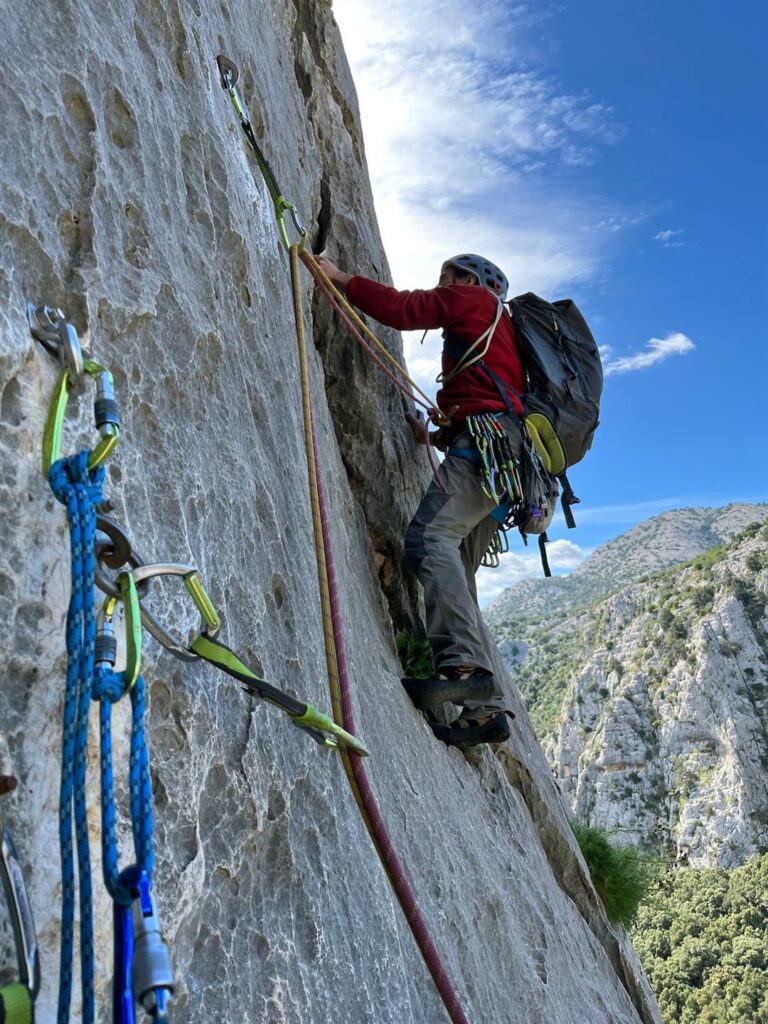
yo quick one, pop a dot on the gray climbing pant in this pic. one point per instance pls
(444, 545)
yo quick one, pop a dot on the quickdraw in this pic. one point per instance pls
(205, 646)
(230, 75)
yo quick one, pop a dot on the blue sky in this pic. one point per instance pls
(613, 153)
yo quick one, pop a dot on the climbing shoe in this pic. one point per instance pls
(467, 732)
(451, 685)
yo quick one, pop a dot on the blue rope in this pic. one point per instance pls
(108, 688)
(80, 490)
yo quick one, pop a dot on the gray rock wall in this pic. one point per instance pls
(664, 730)
(126, 197)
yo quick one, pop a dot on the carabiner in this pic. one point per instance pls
(143, 969)
(105, 410)
(106, 644)
(211, 623)
(22, 922)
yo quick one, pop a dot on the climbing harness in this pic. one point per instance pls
(333, 634)
(144, 972)
(17, 1000)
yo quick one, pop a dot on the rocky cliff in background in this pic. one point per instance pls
(127, 199)
(655, 705)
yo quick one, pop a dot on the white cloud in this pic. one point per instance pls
(563, 555)
(669, 238)
(675, 344)
(467, 142)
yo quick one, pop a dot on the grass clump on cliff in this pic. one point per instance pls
(415, 655)
(623, 875)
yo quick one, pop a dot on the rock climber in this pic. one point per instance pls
(452, 528)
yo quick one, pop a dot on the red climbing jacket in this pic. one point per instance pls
(463, 310)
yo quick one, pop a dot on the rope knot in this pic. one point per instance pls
(107, 685)
(73, 471)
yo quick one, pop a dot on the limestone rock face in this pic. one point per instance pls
(664, 729)
(127, 198)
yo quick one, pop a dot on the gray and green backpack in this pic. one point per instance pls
(561, 405)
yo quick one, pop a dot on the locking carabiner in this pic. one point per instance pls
(106, 416)
(106, 642)
(51, 328)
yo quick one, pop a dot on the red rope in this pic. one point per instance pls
(367, 800)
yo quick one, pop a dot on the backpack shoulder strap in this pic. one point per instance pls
(466, 359)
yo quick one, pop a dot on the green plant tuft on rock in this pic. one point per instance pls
(415, 654)
(621, 874)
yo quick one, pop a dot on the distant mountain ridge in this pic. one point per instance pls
(660, 725)
(666, 540)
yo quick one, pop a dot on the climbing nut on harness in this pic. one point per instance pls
(17, 1000)
(211, 624)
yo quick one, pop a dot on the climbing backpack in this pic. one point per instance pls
(561, 405)
(564, 378)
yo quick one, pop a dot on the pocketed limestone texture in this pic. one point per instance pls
(127, 198)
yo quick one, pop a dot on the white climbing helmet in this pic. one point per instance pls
(487, 273)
